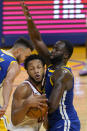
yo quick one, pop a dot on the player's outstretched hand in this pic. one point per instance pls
(2, 111)
(25, 10)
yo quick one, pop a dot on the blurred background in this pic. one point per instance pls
(56, 20)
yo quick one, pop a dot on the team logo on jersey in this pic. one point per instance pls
(1, 59)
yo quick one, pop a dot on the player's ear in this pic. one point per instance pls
(66, 56)
(19, 50)
(45, 67)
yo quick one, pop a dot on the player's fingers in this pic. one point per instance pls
(42, 97)
(39, 107)
(24, 6)
(22, 3)
(43, 100)
(1, 114)
(36, 95)
(43, 105)
(2, 110)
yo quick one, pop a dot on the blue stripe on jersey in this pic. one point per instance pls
(5, 61)
(65, 111)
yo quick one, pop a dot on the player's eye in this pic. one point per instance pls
(39, 66)
(31, 68)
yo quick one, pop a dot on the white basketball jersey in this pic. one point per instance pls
(35, 91)
(27, 122)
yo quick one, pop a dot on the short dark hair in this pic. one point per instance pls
(33, 57)
(24, 42)
(68, 46)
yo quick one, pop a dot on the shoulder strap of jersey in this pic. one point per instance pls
(33, 88)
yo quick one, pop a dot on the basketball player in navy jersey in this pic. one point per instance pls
(59, 86)
(23, 96)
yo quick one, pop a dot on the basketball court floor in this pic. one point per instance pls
(80, 91)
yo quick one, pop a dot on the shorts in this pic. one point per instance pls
(67, 125)
(4, 123)
(11, 127)
(26, 128)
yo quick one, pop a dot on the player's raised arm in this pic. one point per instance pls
(35, 35)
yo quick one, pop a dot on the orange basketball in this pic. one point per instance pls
(36, 112)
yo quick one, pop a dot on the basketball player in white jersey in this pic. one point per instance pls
(23, 97)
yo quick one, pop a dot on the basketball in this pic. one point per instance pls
(36, 112)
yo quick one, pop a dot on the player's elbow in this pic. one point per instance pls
(14, 119)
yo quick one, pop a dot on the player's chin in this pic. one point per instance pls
(38, 80)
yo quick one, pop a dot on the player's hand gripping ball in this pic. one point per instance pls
(37, 112)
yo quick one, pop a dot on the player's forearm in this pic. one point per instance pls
(7, 89)
(18, 115)
(37, 40)
(35, 35)
(32, 29)
(54, 99)
(52, 107)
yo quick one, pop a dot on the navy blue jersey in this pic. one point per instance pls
(5, 60)
(66, 111)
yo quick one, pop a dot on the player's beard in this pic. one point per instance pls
(34, 81)
(57, 59)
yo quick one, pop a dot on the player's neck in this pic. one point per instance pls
(11, 51)
(35, 84)
(58, 65)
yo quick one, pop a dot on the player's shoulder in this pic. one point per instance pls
(22, 91)
(15, 67)
(63, 72)
(67, 71)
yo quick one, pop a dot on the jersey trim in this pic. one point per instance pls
(50, 65)
(63, 112)
(12, 62)
(7, 53)
(67, 70)
(51, 81)
(33, 88)
(51, 71)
